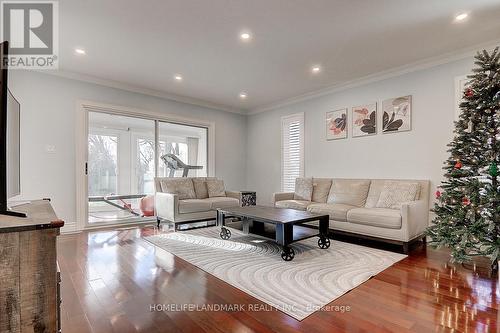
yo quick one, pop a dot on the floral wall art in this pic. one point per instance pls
(336, 124)
(396, 114)
(364, 120)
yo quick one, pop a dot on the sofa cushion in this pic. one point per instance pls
(200, 186)
(377, 217)
(193, 206)
(216, 188)
(293, 204)
(395, 193)
(321, 188)
(183, 187)
(303, 189)
(349, 191)
(222, 202)
(337, 212)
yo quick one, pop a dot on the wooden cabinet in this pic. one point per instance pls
(28, 270)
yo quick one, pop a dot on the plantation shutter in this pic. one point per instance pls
(292, 150)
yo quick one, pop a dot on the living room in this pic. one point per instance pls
(267, 166)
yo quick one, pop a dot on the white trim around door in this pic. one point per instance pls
(83, 107)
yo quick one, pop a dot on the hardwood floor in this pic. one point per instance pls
(112, 278)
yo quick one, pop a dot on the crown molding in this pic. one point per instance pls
(142, 90)
(383, 75)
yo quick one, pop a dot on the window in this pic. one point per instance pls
(188, 143)
(292, 150)
(102, 164)
(145, 165)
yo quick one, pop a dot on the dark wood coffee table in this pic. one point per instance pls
(288, 222)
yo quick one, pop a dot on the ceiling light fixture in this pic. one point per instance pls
(461, 17)
(243, 95)
(80, 51)
(245, 36)
(316, 69)
(178, 77)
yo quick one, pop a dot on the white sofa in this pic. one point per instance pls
(359, 206)
(186, 200)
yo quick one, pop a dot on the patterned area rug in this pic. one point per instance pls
(253, 264)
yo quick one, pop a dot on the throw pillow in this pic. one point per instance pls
(396, 193)
(200, 188)
(183, 187)
(303, 189)
(321, 188)
(216, 188)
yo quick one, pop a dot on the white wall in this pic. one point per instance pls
(48, 108)
(418, 154)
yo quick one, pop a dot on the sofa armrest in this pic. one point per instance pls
(415, 216)
(167, 206)
(280, 196)
(234, 194)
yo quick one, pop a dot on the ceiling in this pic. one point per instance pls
(145, 43)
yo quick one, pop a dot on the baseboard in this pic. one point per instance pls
(69, 228)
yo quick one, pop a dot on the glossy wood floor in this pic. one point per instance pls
(112, 278)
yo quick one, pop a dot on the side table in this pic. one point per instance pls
(248, 198)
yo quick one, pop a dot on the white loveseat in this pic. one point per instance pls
(187, 199)
(396, 211)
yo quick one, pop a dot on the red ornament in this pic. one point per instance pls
(469, 92)
(458, 165)
(465, 201)
(438, 194)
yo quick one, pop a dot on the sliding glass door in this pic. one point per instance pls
(125, 153)
(120, 167)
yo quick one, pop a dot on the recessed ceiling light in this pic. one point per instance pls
(245, 36)
(316, 69)
(243, 95)
(178, 77)
(461, 17)
(80, 51)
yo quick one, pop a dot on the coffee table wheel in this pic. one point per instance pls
(287, 254)
(323, 243)
(225, 233)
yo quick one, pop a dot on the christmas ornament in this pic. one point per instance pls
(493, 170)
(438, 194)
(469, 92)
(465, 201)
(458, 165)
(470, 127)
(497, 96)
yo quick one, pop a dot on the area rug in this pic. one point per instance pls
(314, 278)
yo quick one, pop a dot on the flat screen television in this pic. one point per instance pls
(10, 113)
(13, 146)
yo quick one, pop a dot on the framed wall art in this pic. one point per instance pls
(364, 120)
(396, 115)
(336, 124)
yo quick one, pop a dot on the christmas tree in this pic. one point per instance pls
(468, 201)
